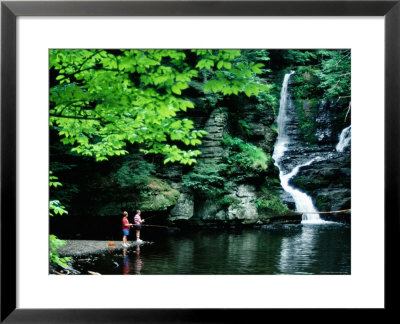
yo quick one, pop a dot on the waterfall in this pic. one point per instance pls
(302, 200)
(344, 139)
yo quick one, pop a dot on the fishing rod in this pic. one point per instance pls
(163, 226)
(147, 217)
(149, 225)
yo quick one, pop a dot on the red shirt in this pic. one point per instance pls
(125, 223)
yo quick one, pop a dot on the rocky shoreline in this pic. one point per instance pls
(86, 247)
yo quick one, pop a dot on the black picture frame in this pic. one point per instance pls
(10, 10)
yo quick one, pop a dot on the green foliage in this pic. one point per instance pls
(270, 202)
(52, 180)
(323, 202)
(56, 208)
(246, 156)
(320, 74)
(244, 128)
(157, 194)
(326, 72)
(335, 74)
(211, 182)
(305, 83)
(300, 182)
(300, 57)
(54, 244)
(102, 99)
(307, 122)
(55, 205)
(225, 201)
(206, 180)
(274, 128)
(306, 92)
(133, 171)
(246, 75)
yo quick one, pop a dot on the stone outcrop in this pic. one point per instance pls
(183, 209)
(244, 209)
(243, 187)
(327, 180)
(329, 183)
(216, 127)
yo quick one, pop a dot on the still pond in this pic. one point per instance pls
(288, 249)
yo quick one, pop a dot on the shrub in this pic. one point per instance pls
(246, 156)
(206, 180)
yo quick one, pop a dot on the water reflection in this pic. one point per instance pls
(317, 249)
(291, 249)
(138, 261)
(297, 253)
(126, 269)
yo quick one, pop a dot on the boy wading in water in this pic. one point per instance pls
(138, 225)
(125, 229)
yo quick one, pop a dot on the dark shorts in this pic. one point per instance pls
(138, 227)
(125, 231)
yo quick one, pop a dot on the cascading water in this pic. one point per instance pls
(302, 200)
(344, 139)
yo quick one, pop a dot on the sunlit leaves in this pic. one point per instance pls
(103, 99)
(256, 68)
(55, 207)
(246, 155)
(52, 182)
(103, 108)
(205, 64)
(54, 244)
(236, 77)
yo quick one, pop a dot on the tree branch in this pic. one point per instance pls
(342, 59)
(348, 110)
(340, 78)
(341, 97)
(75, 117)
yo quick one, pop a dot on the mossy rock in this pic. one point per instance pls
(157, 195)
(323, 202)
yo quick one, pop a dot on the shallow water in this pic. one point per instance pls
(289, 249)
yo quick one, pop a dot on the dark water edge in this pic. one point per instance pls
(286, 249)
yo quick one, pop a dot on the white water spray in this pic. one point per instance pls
(344, 139)
(302, 200)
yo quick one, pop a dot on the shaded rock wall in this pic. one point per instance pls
(328, 179)
(242, 187)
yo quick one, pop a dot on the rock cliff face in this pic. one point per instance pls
(327, 180)
(228, 186)
(238, 204)
(212, 152)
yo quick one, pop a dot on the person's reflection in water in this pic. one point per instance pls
(127, 264)
(138, 261)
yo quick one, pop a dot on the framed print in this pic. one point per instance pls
(64, 61)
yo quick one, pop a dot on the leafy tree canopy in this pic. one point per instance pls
(335, 73)
(100, 100)
(331, 67)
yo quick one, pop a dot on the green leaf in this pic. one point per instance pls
(176, 89)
